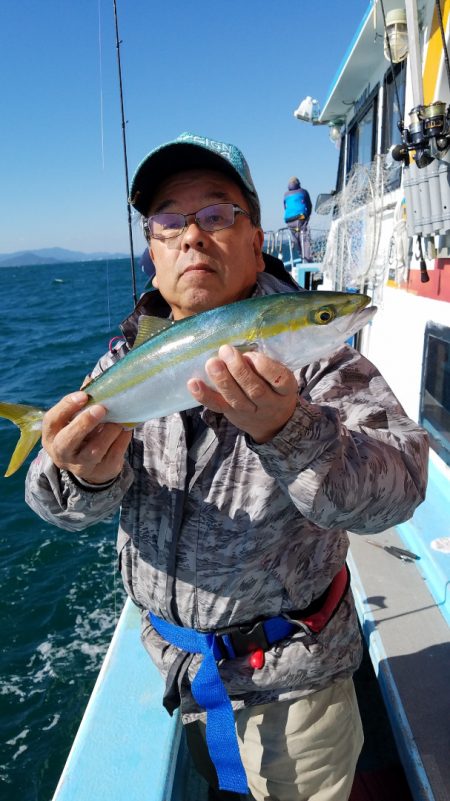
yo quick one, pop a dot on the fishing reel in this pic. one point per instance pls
(427, 137)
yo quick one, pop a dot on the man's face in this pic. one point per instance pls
(199, 270)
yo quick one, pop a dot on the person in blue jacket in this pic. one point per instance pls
(297, 211)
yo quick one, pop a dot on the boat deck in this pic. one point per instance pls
(127, 732)
(407, 638)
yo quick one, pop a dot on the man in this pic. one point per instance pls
(297, 211)
(233, 514)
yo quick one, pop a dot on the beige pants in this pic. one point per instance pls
(303, 750)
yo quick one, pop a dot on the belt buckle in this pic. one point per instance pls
(246, 639)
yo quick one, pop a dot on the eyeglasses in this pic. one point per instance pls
(167, 224)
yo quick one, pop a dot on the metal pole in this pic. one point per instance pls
(291, 252)
(414, 59)
(124, 143)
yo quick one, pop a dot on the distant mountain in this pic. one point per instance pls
(23, 258)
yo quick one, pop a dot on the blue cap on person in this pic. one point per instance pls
(190, 151)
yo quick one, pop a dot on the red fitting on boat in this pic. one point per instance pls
(257, 659)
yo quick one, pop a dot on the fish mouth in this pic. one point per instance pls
(356, 320)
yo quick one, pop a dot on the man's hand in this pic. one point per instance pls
(257, 394)
(78, 441)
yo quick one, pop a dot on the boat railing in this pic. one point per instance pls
(280, 243)
(307, 272)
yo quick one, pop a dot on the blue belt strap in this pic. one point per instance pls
(209, 693)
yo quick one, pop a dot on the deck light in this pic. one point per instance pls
(335, 130)
(397, 36)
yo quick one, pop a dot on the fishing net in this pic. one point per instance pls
(352, 258)
(318, 243)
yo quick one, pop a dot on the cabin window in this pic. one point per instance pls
(392, 115)
(361, 139)
(340, 172)
(362, 134)
(435, 391)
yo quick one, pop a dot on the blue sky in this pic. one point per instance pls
(234, 71)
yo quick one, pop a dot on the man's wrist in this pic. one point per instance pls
(90, 485)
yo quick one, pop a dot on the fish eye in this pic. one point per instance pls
(324, 315)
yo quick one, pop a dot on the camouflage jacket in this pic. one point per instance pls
(227, 530)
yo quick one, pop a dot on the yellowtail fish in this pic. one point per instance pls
(296, 329)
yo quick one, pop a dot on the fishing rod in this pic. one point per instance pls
(428, 135)
(124, 144)
(444, 43)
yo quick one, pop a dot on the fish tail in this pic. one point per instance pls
(29, 420)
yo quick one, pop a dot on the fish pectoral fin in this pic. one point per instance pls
(29, 420)
(245, 347)
(149, 327)
(242, 347)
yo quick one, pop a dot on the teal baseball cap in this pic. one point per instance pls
(188, 152)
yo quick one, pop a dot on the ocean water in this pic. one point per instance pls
(61, 594)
